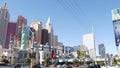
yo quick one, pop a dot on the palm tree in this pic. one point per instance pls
(83, 51)
(46, 60)
(27, 60)
(78, 54)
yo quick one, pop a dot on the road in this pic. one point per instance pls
(110, 66)
(12, 67)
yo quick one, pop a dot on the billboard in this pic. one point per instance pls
(116, 25)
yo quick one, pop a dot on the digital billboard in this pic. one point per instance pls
(116, 25)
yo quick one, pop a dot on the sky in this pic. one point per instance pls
(70, 18)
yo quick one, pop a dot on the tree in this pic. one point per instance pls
(46, 60)
(114, 63)
(118, 61)
(101, 63)
(27, 60)
(5, 60)
(78, 53)
(75, 61)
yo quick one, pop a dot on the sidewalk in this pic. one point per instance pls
(110, 66)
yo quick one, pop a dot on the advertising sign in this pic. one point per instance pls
(116, 25)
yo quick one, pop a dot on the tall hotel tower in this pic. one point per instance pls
(101, 50)
(20, 21)
(50, 32)
(10, 34)
(44, 39)
(4, 19)
(38, 31)
(116, 26)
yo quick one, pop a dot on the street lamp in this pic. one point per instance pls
(32, 47)
(11, 43)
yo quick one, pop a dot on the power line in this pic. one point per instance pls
(72, 8)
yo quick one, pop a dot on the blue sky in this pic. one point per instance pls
(70, 18)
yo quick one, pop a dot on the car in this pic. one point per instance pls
(37, 66)
(84, 66)
(76, 65)
(97, 66)
(58, 66)
(94, 66)
(17, 66)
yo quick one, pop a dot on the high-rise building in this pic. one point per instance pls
(101, 50)
(88, 41)
(116, 26)
(44, 39)
(4, 19)
(37, 26)
(49, 27)
(59, 49)
(10, 33)
(20, 21)
(55, 40)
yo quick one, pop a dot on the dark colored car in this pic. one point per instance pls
(37, 66)
(3, 64)
(17, 66)
(94, 66)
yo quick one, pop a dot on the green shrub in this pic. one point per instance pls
(81, 62)
(114, 63)
(75, 61)
(46, 60)
(5, 60)
(118, 60)
(27, 60)
(89, 62)
(101, 63)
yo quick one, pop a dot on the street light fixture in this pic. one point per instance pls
(11, 44)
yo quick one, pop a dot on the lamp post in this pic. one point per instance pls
(11, 43)
(32, 47)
